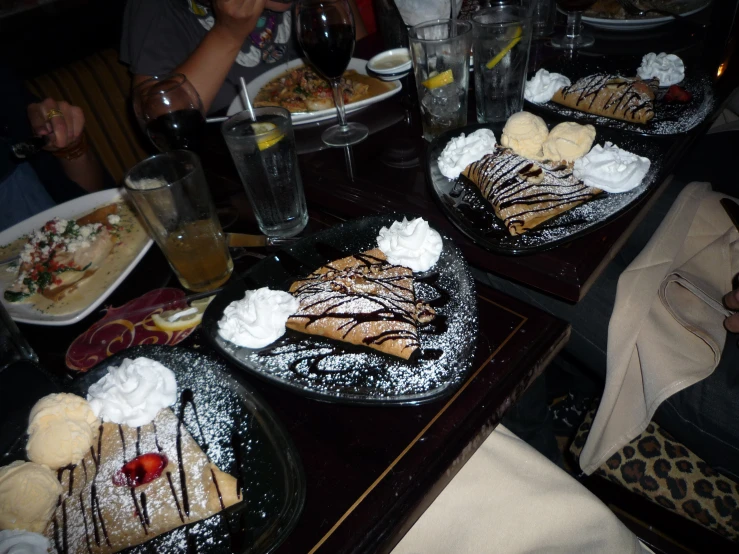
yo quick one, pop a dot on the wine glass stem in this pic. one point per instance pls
(574, 24)
(339, 99)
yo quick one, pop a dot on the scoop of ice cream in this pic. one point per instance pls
(61, 429)
(28, 495)
(568, 141)
(22, 542)
(525, 133)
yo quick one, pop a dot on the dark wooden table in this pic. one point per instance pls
(386, 172)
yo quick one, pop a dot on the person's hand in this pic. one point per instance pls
(57, 119)
(237, 17)
(731, 301)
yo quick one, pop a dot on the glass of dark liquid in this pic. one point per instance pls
(170, 112)
(573, 36)
(326, 35)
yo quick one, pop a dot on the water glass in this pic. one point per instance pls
(171, 195)
(440, 51)
(502, 37)
(265, 157)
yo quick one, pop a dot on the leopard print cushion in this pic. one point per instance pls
(666, 472)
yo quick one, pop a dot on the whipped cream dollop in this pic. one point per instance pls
(133, 393)
(22, 542)
(611, 169)
(463, 150)
(543, 85)
(258, 319)
(668, 68)
(413, 244)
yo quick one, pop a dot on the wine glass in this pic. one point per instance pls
(573, 37)
(326, 34)
(170, 112)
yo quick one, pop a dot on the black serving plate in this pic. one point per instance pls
(669, 119)
(339, 372)
(463, 204)
(242, 437)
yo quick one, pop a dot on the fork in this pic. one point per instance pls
(632, 9)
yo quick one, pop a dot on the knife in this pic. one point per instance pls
(732, 209)
(244, 240)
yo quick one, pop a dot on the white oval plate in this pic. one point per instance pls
(27, 313)
(359, 65)
(634, 24)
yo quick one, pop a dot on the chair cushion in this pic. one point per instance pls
(100, 85)
(668, 473)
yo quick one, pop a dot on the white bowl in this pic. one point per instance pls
(391, 61)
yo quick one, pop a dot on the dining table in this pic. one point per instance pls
(371, 471)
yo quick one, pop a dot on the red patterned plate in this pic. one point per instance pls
(129, 325)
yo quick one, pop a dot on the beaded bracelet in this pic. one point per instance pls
(74, 150)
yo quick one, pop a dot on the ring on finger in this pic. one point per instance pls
(53, 112)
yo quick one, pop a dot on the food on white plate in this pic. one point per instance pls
(61, 429)
(524, 193)
(13, 541)
(568, 141)
(258, 319)
(610, 96)
(525, 133)
(461, 151)
(669, 69)
(542, 86)
(28, 496)
(611, 168)
(302, 90)
(412, 244)
(363, 300)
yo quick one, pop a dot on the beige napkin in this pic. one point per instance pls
(510, 499)
(666, 331)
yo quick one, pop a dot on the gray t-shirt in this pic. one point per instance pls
(158, 35)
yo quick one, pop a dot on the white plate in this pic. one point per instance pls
(27, 313)
(634, 24)
(360, 66)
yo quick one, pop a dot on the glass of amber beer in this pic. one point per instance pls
(171, 195)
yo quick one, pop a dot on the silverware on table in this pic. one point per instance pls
(244, 240)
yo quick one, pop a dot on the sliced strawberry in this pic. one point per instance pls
(678, 94)
(140, 470)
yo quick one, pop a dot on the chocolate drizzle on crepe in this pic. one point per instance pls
(524, 194)
(610, 96)
(96, 532)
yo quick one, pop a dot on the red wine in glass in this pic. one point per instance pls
(326, 35)
(181, 129)
(170, 112)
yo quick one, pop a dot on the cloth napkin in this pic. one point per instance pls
(508, 498)
(666, 331)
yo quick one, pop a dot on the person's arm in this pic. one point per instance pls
(206, 68)
(66, 141)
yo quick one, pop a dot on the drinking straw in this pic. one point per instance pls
(246, 99)
(453, 30)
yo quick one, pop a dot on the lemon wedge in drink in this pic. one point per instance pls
(267, 134)
(507, 48)
(179, 320)
(439, 80)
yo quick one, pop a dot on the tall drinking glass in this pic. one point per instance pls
(170, 192)
(326, 35)
(573, 37)
(170, 112)
(502, 37)
(440, 51)
(265, 157)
